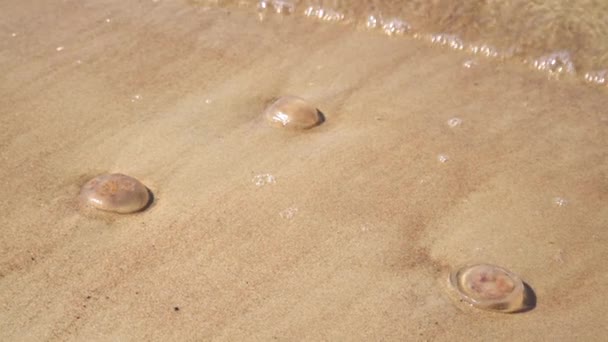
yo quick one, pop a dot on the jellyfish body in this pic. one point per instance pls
(292, 112)
(489, 287)
(115, 193)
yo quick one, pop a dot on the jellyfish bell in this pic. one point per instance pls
(489, 287)
(292, 112)
(115, 193)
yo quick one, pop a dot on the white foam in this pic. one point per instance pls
(454, 122)
(598, 77)
(263, 179)
(555, 63)
(289, 213)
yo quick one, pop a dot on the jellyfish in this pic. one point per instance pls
(292, 112)
(115, 193)
(489, 287)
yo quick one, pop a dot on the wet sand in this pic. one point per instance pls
(356, 236)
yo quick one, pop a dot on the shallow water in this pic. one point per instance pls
(562, 38)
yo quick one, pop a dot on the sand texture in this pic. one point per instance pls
(344, 232)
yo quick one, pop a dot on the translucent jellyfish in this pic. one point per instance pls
(116, 193)
(489, 287)
(293, 113)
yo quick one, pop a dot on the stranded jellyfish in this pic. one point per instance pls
(489, 287)
(115, 192)
(292, 112)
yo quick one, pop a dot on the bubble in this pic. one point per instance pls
(560, 202)
(468, 64)
(136, 98)
(372, 21)
(489, 287)
(116, 193)
(395, 27)
(263, 179)
(597, 77)
(443, 158)
(59, 48)
(288, 213)
(485, 50)
(449, 40)
(14, 34)
(325, 14)
(279, 6)
(454, 122)
(293, 113)
(556, 63)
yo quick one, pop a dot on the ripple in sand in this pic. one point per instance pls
(489, 287)
(292, 112)
(116, 193)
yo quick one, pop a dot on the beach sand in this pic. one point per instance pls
(344, 232)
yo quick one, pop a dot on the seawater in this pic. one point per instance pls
(563, 38)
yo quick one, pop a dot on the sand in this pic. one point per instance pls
(353, 235)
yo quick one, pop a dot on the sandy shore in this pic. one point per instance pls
(356, 236)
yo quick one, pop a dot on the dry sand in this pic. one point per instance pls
(355, 238)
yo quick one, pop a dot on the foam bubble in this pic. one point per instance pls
(485, 50)
(289, 213)
(598, 77)
(454, 122)
(560, 201)
(325, 14)
(395, 26)
(263, 179)
(279, 6)
(468, 64)
(449, 40)
(373, 21)
(555, 63)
